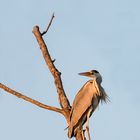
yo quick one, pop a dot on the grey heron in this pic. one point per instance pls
(86, 101)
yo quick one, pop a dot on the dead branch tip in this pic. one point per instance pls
(48, 25)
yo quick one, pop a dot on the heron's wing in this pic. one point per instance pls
(82, 102)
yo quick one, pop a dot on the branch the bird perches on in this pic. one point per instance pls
(63, 100)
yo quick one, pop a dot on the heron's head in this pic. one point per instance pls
(92, 74)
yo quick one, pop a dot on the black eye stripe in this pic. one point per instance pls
(94, 71)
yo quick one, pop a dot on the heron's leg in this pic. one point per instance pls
(87, 124)
(83, 137)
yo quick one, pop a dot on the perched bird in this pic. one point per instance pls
(86, 101)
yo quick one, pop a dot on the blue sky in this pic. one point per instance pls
(85, 35)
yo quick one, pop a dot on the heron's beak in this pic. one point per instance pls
(85, 74)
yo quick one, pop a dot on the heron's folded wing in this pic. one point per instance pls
(82, 102)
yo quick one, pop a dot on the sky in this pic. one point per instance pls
(84, 35)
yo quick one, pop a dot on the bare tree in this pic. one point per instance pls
(63, 100)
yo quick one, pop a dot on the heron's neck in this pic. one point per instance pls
(98, 80)
(97, 85)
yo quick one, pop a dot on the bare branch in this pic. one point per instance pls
(56, 74)
(48, 25)
(35, 102)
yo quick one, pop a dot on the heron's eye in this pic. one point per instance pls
(92, 72)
